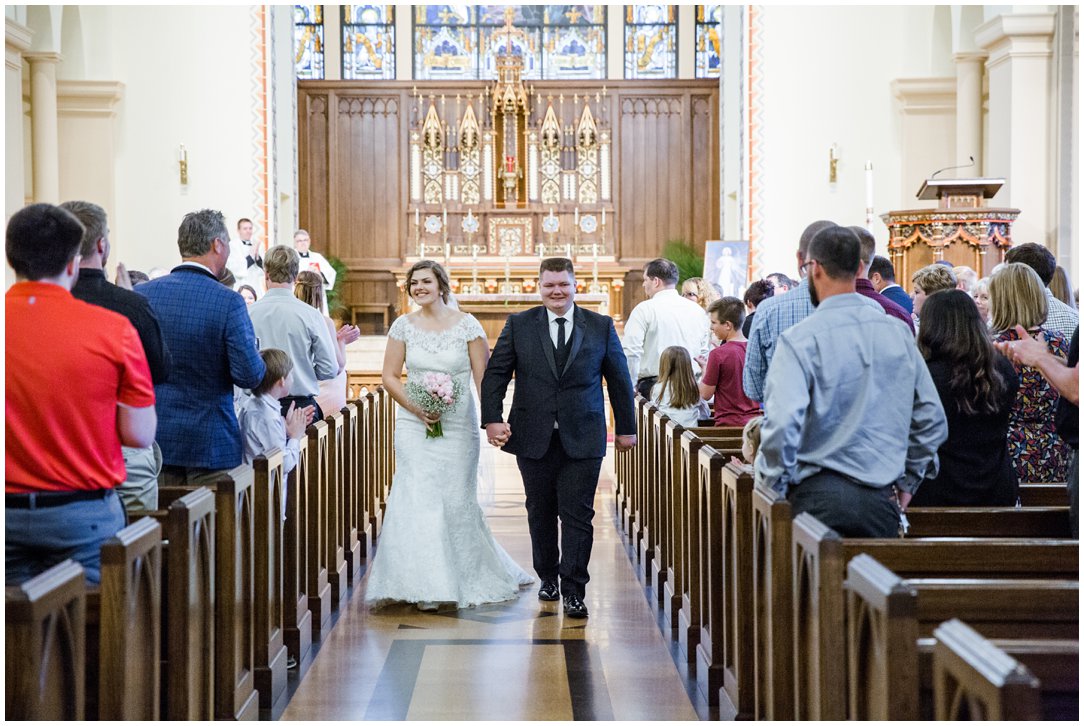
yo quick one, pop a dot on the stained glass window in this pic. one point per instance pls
(555, 41)
(650, 41)
(709, 20)
(368, 41)
(309, 42)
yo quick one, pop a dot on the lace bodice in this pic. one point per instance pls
(437, 350)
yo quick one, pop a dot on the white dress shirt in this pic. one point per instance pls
(318, 263)
(662, 321)
(552, 316)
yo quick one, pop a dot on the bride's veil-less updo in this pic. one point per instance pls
(443, 282)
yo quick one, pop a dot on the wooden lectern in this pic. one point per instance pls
(962, 229)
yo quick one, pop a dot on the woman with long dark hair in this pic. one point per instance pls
(977, 386)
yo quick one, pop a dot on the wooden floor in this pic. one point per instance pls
(520, 660)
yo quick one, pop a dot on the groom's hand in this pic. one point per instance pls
(498, 433)
(624, 442)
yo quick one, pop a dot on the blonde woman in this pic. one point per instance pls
(981, 296)
(1061, 287)
(1017, 298)
(700, 291)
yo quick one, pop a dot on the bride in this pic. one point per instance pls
(435, 546)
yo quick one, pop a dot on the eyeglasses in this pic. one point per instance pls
(805, 267)
(690, 295)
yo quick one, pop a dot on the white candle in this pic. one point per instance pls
(417, 218)
(541, 251)
(474, 252)
(594, 252)
(869, 185)
(447, 251)
(568, 251)
(182, 155)
(576, 219)
(445, 213)
(603, 217)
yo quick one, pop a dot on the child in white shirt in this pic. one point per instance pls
(263, 427)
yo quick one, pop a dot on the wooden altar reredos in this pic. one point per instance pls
(961, 230)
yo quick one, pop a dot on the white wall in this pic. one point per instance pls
(827, 78)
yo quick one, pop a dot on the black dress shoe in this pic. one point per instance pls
(574, 607)
(549, 591)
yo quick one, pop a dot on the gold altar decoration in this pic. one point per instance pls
(961, 230)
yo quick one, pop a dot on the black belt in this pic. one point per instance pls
(40, 500)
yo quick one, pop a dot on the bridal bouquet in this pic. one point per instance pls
(434, 393)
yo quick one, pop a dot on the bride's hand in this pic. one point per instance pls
(427, 418)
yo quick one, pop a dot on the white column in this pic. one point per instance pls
(686, 40)
(1020, 48)
(45, 154)
(333, 43)
(969, 68)
(615, 42)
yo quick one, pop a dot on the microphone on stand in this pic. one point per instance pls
(949, 168)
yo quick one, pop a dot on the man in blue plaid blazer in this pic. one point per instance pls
(209, 334)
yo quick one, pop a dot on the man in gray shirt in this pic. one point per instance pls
(282, 321)
(852, 418)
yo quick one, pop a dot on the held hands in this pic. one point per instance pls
(297, 420)
(624, 442)
(498, 433)
(347, 334)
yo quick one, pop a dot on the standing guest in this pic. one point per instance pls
(139, 490)
(135, 277)
(309, 289)
(676, 393)
(862, 285)
(757, 292)
(263, 427)
(700, 291)
(777, 314)
(313, 260)
(966, 278)
(209, 335)
(245, 261)
(1061, 287)
(227, 278)
(63, 454)
(1060, 317)
(1017, 298)
(248, 293)
(1065, 377)
(981, 296)
(840, 439)
(283, 321)
(781, 282)
(977, 386)
(883, 277)
(664, 319)
(926, 282)
(723, 373)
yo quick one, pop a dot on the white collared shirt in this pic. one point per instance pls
(552, 317)
(659, 322)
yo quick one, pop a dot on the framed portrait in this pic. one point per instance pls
(727, 265)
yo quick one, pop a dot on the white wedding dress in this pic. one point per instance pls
(435, 545)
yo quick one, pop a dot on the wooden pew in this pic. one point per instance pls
(235, 694)
(317, 586)
(773, 598)
(647, 497)
(269, 650)
(1019, 680)
(188, 670)
(1044, 495)
(887, 615)
(386, 437)
(355, 521)
(689, 615)
(672, 556)
(989, 522)
(820, 557)
(297, 620)
(372, 465)
(44, 623)
(332, 463)
(124, 624)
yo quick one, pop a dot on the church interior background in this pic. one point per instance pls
(488, 136)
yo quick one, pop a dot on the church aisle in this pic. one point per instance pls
(519, 660)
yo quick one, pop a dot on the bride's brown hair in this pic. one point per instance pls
(443, 283)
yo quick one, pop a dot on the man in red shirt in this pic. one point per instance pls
(723, 373)
(77, 387)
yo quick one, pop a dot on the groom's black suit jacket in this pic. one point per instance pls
(572, 397)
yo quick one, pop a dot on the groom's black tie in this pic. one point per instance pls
(562, 345)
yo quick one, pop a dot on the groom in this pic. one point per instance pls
(559, 354)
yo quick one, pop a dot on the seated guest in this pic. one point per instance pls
(1060, 317)
(750, 438)
(841, 439)
(263, 426)
(977, 386)
(883, 278)
(926, 282)
(981, 295)
(1017, 297)
(966, 278)
(757, 292)
(309, 289)
(865, 288)
(1061, 287)
(63, 442)
(723, 373)
(675, 392)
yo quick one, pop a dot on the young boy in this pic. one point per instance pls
(262, 426)
(722, 375)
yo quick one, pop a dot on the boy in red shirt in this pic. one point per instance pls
(723, 372)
